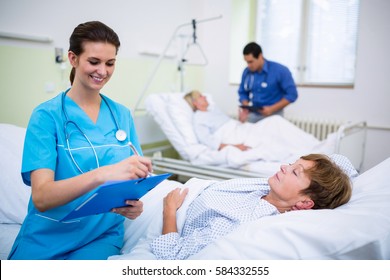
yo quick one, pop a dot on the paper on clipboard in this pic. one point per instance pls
(113, 194)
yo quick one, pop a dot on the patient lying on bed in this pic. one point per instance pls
(312, 182)
(271, 139)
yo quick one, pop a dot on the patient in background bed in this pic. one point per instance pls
(275, 136)
(312, 182)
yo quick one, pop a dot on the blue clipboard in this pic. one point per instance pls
(113, 194)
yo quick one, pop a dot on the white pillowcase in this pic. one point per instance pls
(182, 115)
(156, 105)
(359, 229)
(14, 194)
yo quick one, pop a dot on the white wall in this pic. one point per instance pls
(369, 100)
(148, 25)
(139, 24)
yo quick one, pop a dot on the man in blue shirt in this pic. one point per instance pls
(266, 86)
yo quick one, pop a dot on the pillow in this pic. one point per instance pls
(359, 229)
(176, 121)
(319, 234)
(156, 105)
(182, 116)
(14, 194)
(345, 164)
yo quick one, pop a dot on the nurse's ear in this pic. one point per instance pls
(73, 58)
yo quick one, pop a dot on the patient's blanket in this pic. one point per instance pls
(272, 139)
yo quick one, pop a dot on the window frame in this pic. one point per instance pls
(250, 7)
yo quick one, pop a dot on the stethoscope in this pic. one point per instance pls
(120, 134)
(250, 80)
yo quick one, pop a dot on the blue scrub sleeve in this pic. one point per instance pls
(39, 145)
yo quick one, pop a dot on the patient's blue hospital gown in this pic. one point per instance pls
(218, 210)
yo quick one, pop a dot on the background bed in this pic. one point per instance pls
(174, 117)
(357, 230)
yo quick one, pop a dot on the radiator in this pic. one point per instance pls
(319, 128)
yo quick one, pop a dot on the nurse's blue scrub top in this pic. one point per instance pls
(41, 235)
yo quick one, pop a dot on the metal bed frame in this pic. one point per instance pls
(350, 142)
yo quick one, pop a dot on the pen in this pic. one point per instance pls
(137, 154)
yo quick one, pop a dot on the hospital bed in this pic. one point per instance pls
(174, 117)
(341, 233)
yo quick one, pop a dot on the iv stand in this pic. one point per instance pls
(183, 61)
(162, 55)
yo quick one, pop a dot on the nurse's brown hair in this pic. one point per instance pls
(92, 31)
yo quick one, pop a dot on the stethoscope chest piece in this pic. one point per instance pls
(120, 135)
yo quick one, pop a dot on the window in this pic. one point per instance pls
(315, 39)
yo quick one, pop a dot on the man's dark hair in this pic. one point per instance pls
(254, 49)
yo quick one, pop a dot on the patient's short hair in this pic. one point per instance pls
(191, 97)
(330, 186)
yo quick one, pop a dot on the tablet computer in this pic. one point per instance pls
(251, 108)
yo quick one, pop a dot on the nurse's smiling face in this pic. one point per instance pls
(94, 66)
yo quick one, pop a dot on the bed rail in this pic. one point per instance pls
(184, 168)
(350, 142)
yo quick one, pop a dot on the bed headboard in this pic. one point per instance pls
(353, 146)
(148, 130)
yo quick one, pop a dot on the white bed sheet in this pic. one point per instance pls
(174, 116)
(358, 230)
(8, 233)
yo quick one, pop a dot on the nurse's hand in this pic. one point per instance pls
(130, 168)
(132, 211)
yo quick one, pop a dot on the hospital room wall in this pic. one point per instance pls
(29, 75)
(368, 100)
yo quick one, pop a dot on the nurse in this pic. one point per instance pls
(74, 143)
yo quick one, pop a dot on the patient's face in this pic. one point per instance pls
(201, 103)
(290, 180)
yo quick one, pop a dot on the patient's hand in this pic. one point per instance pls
(172, 202)
(242, 147)
(174, 199)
